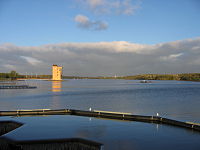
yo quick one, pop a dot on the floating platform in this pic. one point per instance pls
(7, 126)
(58, 144)
(104, 115)
(17, 87)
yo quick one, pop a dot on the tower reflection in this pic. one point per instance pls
(56, 86)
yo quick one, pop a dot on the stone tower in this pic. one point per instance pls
(56, 72)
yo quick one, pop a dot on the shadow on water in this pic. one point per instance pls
(58, 144)
(7, 126)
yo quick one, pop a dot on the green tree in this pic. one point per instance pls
(13, 74)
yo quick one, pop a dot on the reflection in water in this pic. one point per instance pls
(94, 132)
(56, 86)
(55, 102)
(157, 127)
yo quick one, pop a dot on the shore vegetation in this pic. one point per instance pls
(13, 75)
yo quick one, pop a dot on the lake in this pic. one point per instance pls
(172, 99)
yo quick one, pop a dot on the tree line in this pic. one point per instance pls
(181, 77)
(13, 75)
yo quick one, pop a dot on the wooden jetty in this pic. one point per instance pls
(17, 87)
(104, 114)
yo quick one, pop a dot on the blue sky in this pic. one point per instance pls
(100, 37)
(38, 22)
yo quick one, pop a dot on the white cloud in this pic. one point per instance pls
(81, 19)
(104, 7)
(171, 57)
(85, 23)
(126, 7)
(95, 3)
(31, 60)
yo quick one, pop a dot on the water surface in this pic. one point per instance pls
(173, 99)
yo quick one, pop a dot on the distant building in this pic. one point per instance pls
(56, 72)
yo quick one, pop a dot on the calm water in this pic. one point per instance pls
(173, 99)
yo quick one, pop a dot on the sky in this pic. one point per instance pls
(100, 37)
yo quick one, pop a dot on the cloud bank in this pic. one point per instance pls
(103, 58)
(85, 23)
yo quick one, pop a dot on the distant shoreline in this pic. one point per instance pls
(177, 77)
